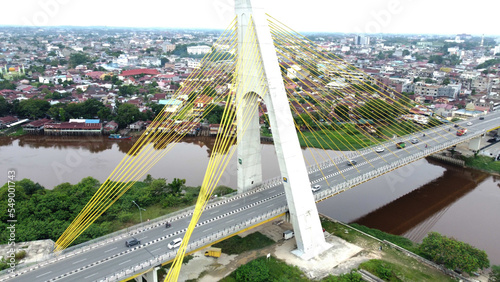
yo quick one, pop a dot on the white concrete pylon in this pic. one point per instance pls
(253, 27)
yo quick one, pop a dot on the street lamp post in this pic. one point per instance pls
(140, 213)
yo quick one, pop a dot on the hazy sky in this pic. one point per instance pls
(360, 16)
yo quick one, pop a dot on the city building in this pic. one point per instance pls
(198, 50)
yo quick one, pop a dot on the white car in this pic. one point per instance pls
(316, 188)
(379, 150)
(175, 243)
(469, 123)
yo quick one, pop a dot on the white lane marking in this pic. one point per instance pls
(208, 229)
(111, 249)
(79, 261)
(156, 250)
(90, 275)
(43, 274)
(230, 220)
(124, 262)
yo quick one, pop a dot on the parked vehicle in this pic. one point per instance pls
(213, 252)
(132, 242)
(288, 234)
(175, 243)
(400, 145)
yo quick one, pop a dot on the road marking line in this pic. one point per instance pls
(43, 274)
(208, 229)
(111, 249)
(156, 249)
(90, 275)
(79, 261)
(124, 262)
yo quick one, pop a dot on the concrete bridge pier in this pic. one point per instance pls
(151, 276)
(475, 143)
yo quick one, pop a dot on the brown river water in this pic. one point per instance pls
(411, 201)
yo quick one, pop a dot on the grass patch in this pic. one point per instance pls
(389, 271)
(162, 272)
(483, 163)
(262, 269)
(223, 190)
(389, 255)
(18, 132)
(398, 240)
(353, 276)
(237, 244)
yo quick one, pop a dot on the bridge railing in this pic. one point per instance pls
(121, 235)
(340, 187)
(195, 245)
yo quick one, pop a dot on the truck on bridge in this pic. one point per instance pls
(461, 131)
(400, 145)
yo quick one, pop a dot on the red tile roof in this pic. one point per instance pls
(139, 71)
(74, 125)
(38, 122)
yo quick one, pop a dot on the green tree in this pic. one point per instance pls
(342, 111)
(436, 59)
(176, 185)
(7, 85)
(62, 114)
(453, 254)
(214, 115)
(33, 108)
(104, 113)
(127, 114)
(78, 58)
(446, 81)
(254, 271)
(4, 106)
(91, 108)
(209, 91)
(406, 52)
(158, 187)
(495, 273)
(74, 110)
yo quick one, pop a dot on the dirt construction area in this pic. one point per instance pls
(339, 259)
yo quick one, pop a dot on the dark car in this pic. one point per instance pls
(167, 225)
(351, 162)
(481, 118)
(456, 125)
(132, 242)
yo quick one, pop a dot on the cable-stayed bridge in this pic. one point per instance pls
(108, 259)
(259, 65)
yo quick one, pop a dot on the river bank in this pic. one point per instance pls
(421, 197)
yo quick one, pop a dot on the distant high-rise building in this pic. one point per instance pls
(365, 40)
(361, 40)
(496, 50)
(357, 40)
